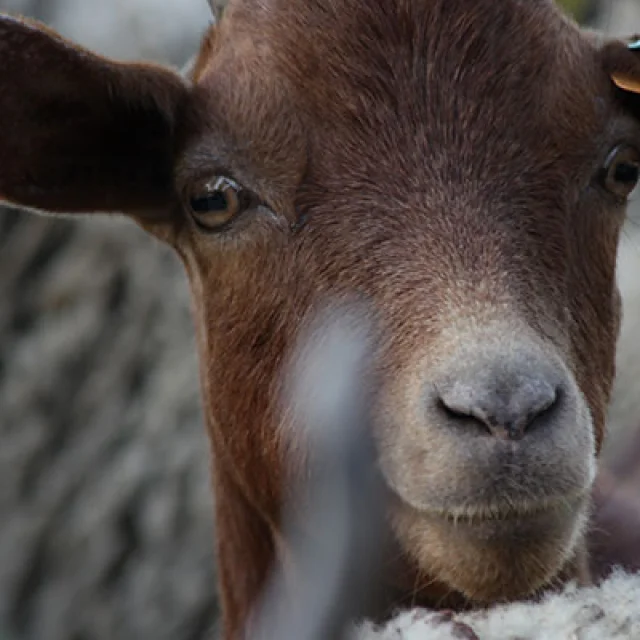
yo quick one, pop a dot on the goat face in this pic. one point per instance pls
(463, 165)
(451, 163)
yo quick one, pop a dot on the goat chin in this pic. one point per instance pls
(609, 610)
(493, 560)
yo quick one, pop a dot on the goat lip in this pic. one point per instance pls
(502, 514)
(479, 514)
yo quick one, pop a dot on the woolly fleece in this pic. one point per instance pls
(608, 612)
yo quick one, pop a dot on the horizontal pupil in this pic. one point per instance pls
(627, 173)
(214, 202)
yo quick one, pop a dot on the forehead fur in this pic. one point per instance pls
(381, 49)
(429, 77)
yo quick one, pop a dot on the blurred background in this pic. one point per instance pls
(105, 503)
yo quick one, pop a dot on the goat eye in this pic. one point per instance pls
(621, 171)
(217, 203)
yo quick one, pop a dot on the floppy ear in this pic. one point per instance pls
(79, 132)
(622, 62)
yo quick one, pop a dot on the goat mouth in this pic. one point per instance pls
(503, 513)
(502, 507)
(470, 514)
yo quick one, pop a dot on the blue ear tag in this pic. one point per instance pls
(634, 46)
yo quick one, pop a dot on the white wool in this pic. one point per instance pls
(608, 612)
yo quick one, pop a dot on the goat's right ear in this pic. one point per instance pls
(81, 133)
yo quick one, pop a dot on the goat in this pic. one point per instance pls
(463, 165)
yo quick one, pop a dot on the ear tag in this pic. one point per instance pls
(625, 81)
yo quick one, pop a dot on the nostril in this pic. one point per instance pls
(452, 411)
(505, 410)
(543, 401)
(547, 404)
(459, 407)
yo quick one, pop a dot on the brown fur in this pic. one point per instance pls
(439, 158)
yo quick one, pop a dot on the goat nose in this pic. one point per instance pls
(504, 398)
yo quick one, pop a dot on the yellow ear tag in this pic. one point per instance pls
(626, 83)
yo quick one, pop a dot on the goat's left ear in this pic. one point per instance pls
(622, 62)
(81, 133)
